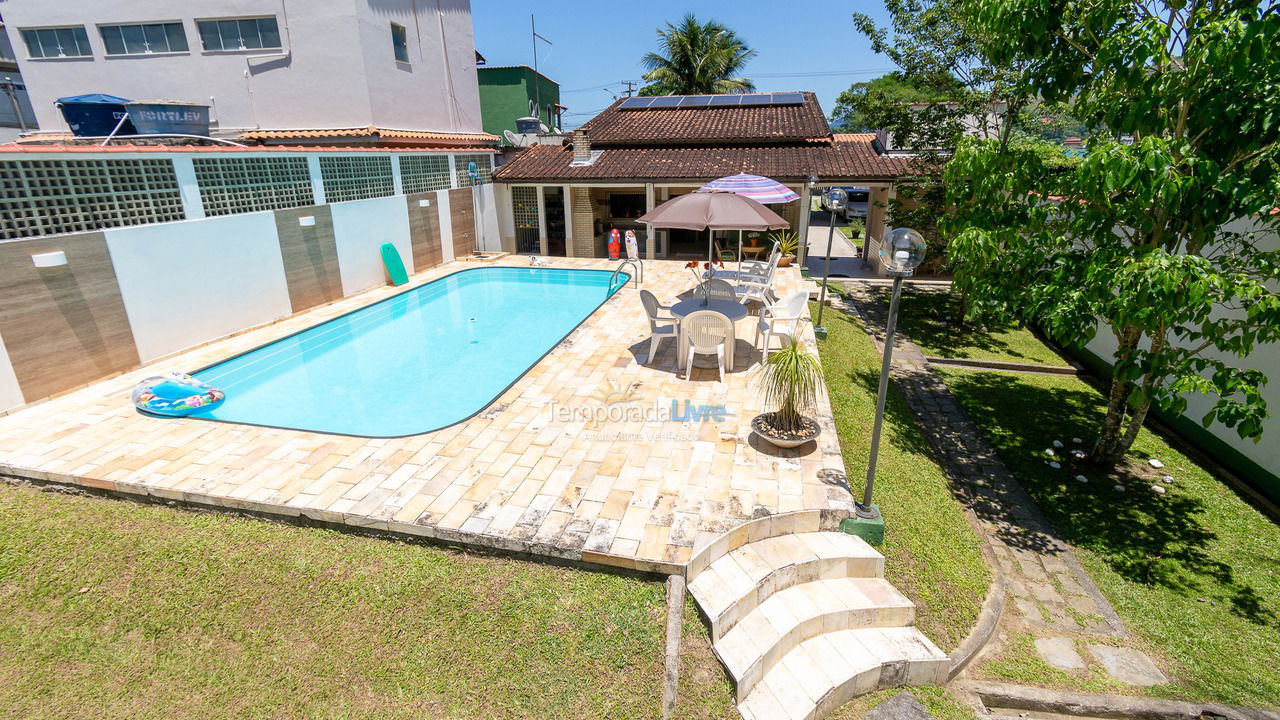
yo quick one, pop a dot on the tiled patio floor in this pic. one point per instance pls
(519, 477)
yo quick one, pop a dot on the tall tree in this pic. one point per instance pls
(861, 108)
(938, 56)
(697, 58)
(1150, 235)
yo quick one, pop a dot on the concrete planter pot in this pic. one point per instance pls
(760, 422)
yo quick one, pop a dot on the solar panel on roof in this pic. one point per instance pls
(635, 103)
(696, 101)
(725, 100)
(666, 101)
(756, 100)
(788, 98)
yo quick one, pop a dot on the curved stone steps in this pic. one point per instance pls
(739, 581)
(801, 612)
(824, 672)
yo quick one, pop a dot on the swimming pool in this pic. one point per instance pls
(413, 363)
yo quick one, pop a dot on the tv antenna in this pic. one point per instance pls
(537, 82)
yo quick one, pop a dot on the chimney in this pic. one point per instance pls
(581, 146)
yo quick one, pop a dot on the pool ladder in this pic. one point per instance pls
(637, 275)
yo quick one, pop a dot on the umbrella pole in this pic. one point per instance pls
(739, 275)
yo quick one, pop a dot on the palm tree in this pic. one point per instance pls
(696, 59)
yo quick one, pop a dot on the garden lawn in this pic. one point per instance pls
(931, 318)
(1194, 572)
(118, 609)
(933, 554)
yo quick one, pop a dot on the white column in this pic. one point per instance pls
(650, 235)
(317, 182)
(397, 183)
(184, 169)
(453, 171)
(446, 225)
(806, 202)
(542, 222)
(568, 220)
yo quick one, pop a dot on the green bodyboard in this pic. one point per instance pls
(395, 267)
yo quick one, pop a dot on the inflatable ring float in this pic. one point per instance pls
(175, 395)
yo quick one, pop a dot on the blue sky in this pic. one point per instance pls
(799, 45)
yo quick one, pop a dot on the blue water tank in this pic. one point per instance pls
(94, 115)
(169, 117)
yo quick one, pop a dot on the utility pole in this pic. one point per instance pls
(630, 86)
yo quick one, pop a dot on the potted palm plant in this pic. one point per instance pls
(790, 379)
(788, 242)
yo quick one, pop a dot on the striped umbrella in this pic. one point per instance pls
(766, 191)
(761, 189)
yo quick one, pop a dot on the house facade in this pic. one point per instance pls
(517, 91)
(640, 152)
(391, 72)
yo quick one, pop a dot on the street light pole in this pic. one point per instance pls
(864, 509)
(900, 253)
(835, 202)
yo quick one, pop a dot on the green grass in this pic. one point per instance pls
(931, 318)
(1195, 572)
(932, 553)
(116, 609)
(938, 701)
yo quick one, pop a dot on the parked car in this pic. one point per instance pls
(857, 202)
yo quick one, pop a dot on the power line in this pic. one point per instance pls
(824, 73)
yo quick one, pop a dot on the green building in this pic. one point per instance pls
(513, 91)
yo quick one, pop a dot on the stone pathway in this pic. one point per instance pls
(1054, 600)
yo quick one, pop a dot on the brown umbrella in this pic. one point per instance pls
(714, 210)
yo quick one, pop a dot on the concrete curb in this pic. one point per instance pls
(988, 620)
(1002, 365)
(675, 624)
(1018, 697)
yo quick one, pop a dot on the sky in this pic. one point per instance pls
(598, 44)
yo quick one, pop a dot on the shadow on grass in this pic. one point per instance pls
(933, 319)
(1147, 538)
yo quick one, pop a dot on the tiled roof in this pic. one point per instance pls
(855, 158)
(92, 149)
(738, 125)
(371, 132)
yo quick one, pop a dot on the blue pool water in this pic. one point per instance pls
(416, 362)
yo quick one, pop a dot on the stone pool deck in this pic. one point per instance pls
(529, 474)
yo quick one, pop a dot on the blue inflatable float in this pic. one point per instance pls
(176, 394)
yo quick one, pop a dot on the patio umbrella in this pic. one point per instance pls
(761, 189)
(715, 210)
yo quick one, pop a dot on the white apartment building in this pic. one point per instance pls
(364, 72)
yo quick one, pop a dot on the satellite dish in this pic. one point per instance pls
(512, 138)
(544, 127)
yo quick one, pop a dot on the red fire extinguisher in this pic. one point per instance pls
(615, 244)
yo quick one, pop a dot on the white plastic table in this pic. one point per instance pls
(735, 311)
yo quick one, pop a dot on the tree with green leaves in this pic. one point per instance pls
(863, 106)
(963, 95)
(1151, 236)
(697, 58)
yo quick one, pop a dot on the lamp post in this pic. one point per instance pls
(900, 254)
(836, 199)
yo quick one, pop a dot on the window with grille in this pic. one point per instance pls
(420, 173)
(45, 197)
(239, 34)
(57, 42)
(356, 177)
(484, 169)
(524, 209)
(237, 185)
(144, 39)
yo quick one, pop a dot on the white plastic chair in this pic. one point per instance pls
(706, 331)
(761, 267)
(758, 287)
(660, 327)
(718, 289)
(781, 318)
